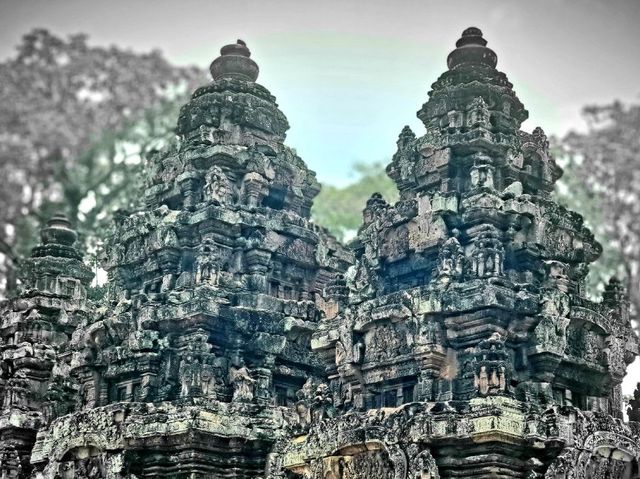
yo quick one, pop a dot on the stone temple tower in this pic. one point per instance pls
(466, 346)
(191, 366)
(237, 339)
(35, 333)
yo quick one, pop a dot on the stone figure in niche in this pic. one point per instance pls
(217, 188)
(262, 384)
(423, 466)
(554, 303)
(89, 468)
(220, 136)
(551, 422)
(95, 467)
(401, 164)
(491, 366)
(384, 343)
(450, 260)
(482, 173)
(118, 254)
(208, 263)
(255, 182)
(429, 333)
(454, 119)
(302, 409)
(168, 237)
(545, 334)
(203, 135)
(592, 348)
(345, 346)
(551, 331)
(478, 113)
(154, 160)
(257, 162)
(614, 355)
(366, 279)
(363, 277)
(506, 107)
(341, 353)
(190, 372)
(304, 397)
(208, 380)
(66, 470)
(482, 381)
(581, 271)
(347, 397)
(322, 403)
(242, 383)
(308, 388)
(82, 399)
(488, 255)
(557, 275)
(534, 425)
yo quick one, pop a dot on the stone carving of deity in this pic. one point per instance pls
(217, 188)
(304, 398)
(454, 119)
(208, 380)
(614, 355)
(478, 113)
(422, 465)
(255, 182)
(190, 372)
(488, 255)
(482, 176)
(322, 403)
(450, 261)
(302, 409)
(203, 135)
(551, 331)
(429, 333)
(242, 383)
(207, 264)
(482, 381)
(490, 370)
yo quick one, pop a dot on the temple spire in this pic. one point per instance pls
(472, 50)
(56, 261)
(57, 239)
(234, 62)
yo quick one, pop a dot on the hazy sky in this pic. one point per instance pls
(349, 74)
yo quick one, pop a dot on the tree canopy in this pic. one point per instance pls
(602, 182)
(339, 208)
(75, 120)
